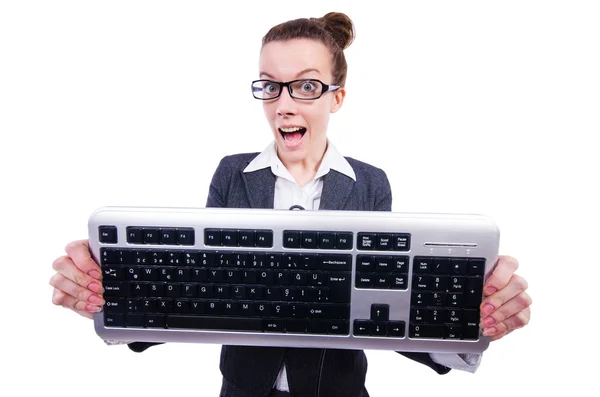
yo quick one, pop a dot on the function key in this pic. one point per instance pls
(309, 240)
(326, 240)
(151, 236)
(291, 239)
(343, 240)
(264, 238)
(229, 238)
(135, 235)
(185, 236)
(212, 237)
(168, 236)
(107, 234)
(384, 242)
(366, 241)
(246, 238)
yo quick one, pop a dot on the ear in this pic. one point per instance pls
(338, 100)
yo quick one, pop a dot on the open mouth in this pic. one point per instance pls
(292, 134)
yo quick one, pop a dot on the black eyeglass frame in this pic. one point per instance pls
(326, 88)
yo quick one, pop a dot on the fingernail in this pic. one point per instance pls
(488, 321)
(96, 274)
(490, 290)
(96, 300)
(97, 288)
(486, 310)
(92, 308)
(489, 331)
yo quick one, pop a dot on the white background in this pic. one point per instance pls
(469, 106)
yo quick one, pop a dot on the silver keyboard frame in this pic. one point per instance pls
(449, 235)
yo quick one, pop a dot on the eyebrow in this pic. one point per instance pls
(297, 75)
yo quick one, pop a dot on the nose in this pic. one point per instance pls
(286, 105)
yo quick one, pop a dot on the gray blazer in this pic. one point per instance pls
(231, 187)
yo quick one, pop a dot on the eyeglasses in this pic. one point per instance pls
(307, 89)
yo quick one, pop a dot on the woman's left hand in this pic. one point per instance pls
(506, 303)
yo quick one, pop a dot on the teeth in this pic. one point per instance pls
(291, 129)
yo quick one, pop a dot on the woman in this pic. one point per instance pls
(302, 73)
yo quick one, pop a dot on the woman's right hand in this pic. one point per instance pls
(77, 282)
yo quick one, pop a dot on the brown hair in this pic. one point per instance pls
(335, 30)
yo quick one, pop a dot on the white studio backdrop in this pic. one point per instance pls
(469, 106)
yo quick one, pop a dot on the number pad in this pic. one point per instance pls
(445, 297)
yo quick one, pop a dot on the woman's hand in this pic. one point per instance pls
(506, 304)
(77, 282)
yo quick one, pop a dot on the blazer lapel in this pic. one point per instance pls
(260, 187)
(336, 191)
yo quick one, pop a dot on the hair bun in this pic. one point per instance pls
(340, 27)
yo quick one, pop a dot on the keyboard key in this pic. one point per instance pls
(380, 312)
(366, 241)
(401, 242)
(309, 240)
(168, 236)
(215, 323)
(107, 234)
(185, 236)
(326, 240)
(135, 235)
(212, 237)
(264, 238)
(291, 239)
(151, 236)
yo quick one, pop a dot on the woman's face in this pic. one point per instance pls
(299, 126)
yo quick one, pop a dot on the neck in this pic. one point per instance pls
(304, 170)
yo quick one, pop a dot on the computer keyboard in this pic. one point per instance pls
(264, 277)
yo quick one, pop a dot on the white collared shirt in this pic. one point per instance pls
(287, 191)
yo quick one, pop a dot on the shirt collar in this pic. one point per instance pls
(332, 160)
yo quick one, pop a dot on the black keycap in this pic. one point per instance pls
(291, 239)
(135, 235)
(366, 241)
(396, 329)
(107, 234)
(168, 236)
(380, 312)
(114, 319)
(246, 238)
(383, 242)
(151, 236)
(326, 240)
(476, 267)
(215, 323)
(212, 237)
(309, 240)
(379, 328)
(343, 240)
(337, 327)
(274, 325)
(264, 238)
(185, 236)
(135, 320)
(362, 327)
(401, 242)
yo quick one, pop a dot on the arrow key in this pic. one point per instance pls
(380, 312)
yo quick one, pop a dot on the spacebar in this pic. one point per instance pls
(215, 323)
